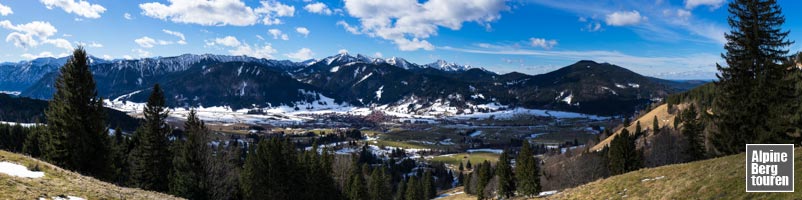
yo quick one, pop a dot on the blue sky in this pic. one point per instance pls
(676, 39)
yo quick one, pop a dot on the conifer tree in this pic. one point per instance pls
(506, 181)
(413, 191)
(77, 136)
(692, 130)
(428, 186)
(484, 176)
(119, 157)
(468, 187)
(32, 145)
(655, 126)
(527, 173)
(377, 185)
(623, 155)
(190, 161)
(355, 190)
(150, 158)
(754, 94)
(400, 192)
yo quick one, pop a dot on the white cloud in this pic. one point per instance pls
(207, 13)
(542, 43)
(80, 8)
(217, 12)
(319, 8)
(593, 27)
(260, 37)
(90, 44)
(265, 51)
(128, 57)
(303, 31)
(44, 54)
(229, 41)
(642, 64)
(624, 18)
(5, 10)
(714, 4)
(141, 53)
(107, 57)
(342, 51)
(33, 34)
(378, 55)
(145, 42)
(301, 54)
(128, 16)
(408, 23)
(348, 27)
(683, 13)
(277, 34)
(272, 10)
(182, 39)
(660, 27)
(240, 48)
(412, 45)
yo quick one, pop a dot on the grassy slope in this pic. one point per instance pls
(719, 178)
(663, 117)
(58, 182)
(475, 158)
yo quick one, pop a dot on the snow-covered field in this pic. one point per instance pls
(17, 170)
(21, 124)
(15, 93)
(496, 151)
(303, 111)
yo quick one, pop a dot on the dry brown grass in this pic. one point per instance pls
(663, 117)
(59, 182)
(719, 178)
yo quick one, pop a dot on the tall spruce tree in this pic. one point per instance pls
(400, 192)
(692, 129)
(191, 161)
(77, 136)
(506, 181)
(413, 191)
(623, 156)
(428, 185)
(356, 190)
(485, 173)
(754, 97)
(527, 173)
(150, 158)
(119, 157)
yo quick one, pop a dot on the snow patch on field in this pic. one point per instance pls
(496, 151)
(15, 93)
(476, 133)
(21, 124)
(17, 170)
(379, 93)
(547, 193)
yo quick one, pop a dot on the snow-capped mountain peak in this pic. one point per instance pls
(399, 62)
(449, 67)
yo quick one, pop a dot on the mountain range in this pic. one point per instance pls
(346, 80)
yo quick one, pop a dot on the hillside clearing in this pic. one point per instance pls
(663, 117)
(60, 183)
